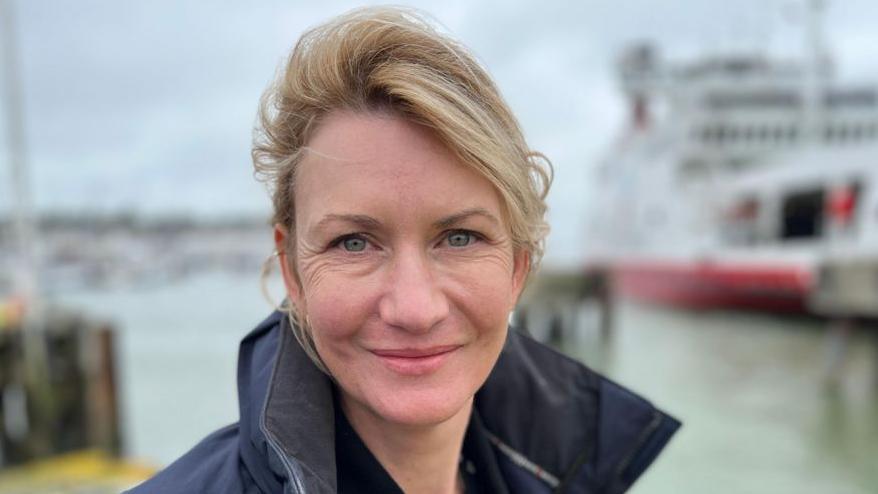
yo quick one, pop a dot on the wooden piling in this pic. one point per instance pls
(58, 389)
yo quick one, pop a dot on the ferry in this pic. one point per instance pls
(743, 181)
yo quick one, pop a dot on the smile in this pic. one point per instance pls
(415, 361)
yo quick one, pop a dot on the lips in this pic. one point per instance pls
(415, 361)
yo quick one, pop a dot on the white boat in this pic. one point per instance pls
(740, 181)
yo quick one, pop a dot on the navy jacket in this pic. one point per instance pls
(556, 425)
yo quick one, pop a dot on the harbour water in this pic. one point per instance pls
(758, 415)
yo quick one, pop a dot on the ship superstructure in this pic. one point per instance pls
(738, 177)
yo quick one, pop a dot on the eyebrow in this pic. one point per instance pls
(363, 221)
(366, 222)
(456, 218)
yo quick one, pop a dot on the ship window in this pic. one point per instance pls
(778, 134)
(706, 134)
(862, 98)
(829, 134)
(738, 163)
(759, 134)
(758, 99)
(692, 168)
(802, 215)
(733, 134)
(856, 132)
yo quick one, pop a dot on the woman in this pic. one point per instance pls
(408, 215)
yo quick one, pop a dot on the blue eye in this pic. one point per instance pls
(353, 244)
(460, 239)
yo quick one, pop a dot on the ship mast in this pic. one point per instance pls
(26, 279)
(26, 283)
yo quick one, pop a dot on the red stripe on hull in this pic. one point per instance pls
(706, 286)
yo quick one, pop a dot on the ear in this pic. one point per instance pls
(520, 270)
(282, 243)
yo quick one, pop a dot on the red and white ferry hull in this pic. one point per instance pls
(708, 285)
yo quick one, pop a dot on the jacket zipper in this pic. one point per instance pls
(296, 482)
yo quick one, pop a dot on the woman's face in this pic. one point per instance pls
(403, 266)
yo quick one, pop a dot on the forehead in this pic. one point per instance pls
(380, 164)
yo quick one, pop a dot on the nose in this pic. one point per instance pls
(413, 301)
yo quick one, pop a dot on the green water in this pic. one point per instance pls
(759, 416)
(749, 388)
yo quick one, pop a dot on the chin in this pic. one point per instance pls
(421, 407)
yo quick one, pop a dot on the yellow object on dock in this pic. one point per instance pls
(83, 472)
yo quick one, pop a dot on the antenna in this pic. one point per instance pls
(816, 69)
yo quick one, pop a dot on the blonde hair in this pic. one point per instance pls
(392, 59)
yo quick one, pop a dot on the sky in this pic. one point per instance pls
(149, 106)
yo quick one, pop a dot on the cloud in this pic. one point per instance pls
(149, 105)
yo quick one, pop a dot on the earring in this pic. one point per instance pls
(263, 279)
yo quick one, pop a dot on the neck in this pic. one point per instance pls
(420, 459)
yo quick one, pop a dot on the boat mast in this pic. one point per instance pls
(26, 281)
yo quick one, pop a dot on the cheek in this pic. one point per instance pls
(336, 311)
(485, 293)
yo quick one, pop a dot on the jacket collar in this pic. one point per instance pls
(286, 412)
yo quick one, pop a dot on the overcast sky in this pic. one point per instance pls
(148, 106)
